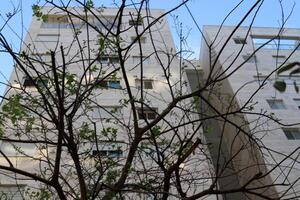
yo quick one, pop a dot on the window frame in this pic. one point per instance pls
(136, 22)
(36, 80)
(147, 112)
(108, 149)
(274, 106)
(136, 60)
(292, 133)
(239, 40)
(249, 58)
(142, 39)
(107, 84)
(49, 38)
(109, 59)
(138, 84)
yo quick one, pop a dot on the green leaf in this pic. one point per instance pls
(280, 86)
(36, 9)
(89, 4)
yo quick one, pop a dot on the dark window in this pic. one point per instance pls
(147, 84)
(149, 114)
(240, 40)
(28, 82)
(108, 153)
(31, 82)
(136, 22)
(292, 133)
(141, 39)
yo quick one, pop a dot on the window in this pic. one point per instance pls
(279, 58)
(147, 84)
(109, 59)
(142, 39)
(261, 78)
(44, 58)
(239, 40)
(290, 80)
(18, 149)
(280, 44)
(292, 133)
(110, 84)
(108, 149)
(107, 112)
(47, 38)
(297, 101)
(137, 60)
(276, 104)
(30, 82)
(250, 58)
(148, 113)
(136, 22)
(56, 21)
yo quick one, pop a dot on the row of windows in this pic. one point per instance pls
(279, 59)
(109, 112)
(278, 104)
(62, 21)
(55, 38)
(103, 149)
(270, 43)
(23, 149)
(104, 84)
(105, 60)
(289, 80)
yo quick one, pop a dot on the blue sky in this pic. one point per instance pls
(206, 12)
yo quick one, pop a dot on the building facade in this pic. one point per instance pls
(105, 67)
(259, 136)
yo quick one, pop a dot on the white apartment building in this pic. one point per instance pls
(242, 63)
(106, 109)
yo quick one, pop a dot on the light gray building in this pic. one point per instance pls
(87, 56)
(259, 135)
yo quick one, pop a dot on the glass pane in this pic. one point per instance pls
(276, 104)
(282, 43)
(288, 135)
(151, 115)
(114, 84)
(47, 38)
(148, 85)
(249, 59)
